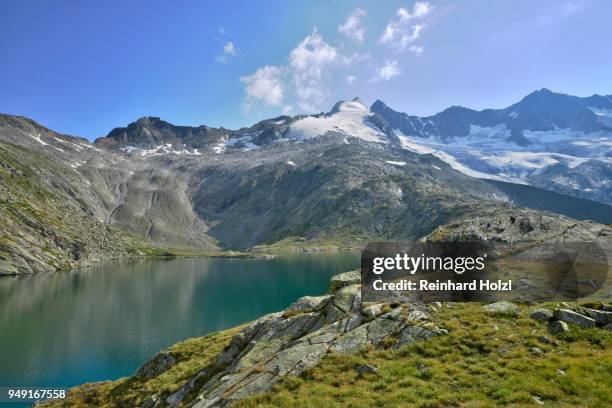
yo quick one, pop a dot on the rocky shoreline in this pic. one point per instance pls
(288, 342)
(228, 367)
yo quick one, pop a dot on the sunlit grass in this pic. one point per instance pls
(484, 361)
(191, 356)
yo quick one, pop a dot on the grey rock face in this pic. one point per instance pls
(286, 343)
(309, 303)
(502, 308)
(602, 317)
(366, 369)
(372, 310)
(569, 316)
(541, 315)
(342, 280)
(558, 327)
(413, 334)
(157, 365)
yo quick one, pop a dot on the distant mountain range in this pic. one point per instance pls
(339, 178)
(558, 142)
(550, 140)
(540, 111)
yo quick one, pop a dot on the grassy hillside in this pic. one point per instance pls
(485, 360)
(44, 224)
(191, 356)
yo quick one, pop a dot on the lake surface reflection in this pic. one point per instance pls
(103, 322)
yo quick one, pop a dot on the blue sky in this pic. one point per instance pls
(84, 67)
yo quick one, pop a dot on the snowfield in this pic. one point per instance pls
(351, 120)
(487, 153)
(161, 150)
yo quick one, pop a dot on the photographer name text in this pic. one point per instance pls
(426, 285)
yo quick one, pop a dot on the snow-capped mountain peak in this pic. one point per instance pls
(355, 105)
(347, 118)
(548, 139)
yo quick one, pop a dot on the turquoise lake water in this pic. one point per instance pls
(103, 322)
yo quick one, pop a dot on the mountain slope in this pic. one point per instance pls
(66, 203)
(339, 178)
(542, 110)
(45, 224)
(539, 199)
(550, 140)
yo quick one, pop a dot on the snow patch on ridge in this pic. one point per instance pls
(487, 153)
(603, 115)
(161, 150)
(396, 163)
(39, 139)
(351, 119)
(245, 141)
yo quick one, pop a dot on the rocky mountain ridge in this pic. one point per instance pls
(542, 110)
(48, 220)
(550, 140)
(339, 178)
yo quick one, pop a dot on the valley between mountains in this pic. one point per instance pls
(336, 179)
(538, 171)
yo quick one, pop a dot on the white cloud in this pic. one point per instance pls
(402, 32)
(229, 49)
(420, 10)
(352, 27)
(308, 62)
(416, 49)
(350, 79)
(287, 109)
(265, 86)
(387, 71)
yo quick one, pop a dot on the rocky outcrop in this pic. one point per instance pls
(541, 315)
(502, 308)
(579, 316)
(569, 316)
(344, 279)
(513, 226)
(558, 327)
(157, 365)
(288, 342)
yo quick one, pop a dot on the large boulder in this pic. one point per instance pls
(503, 308)
(161, 362)
(541, 315)
(569, 316)
(309, 303)
(412, 334)
(372, 311)
(602, 318)
(342, 280)
(558, 327)
(348, 299)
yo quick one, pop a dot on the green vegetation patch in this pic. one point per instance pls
(484, 361)
(190, 356)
